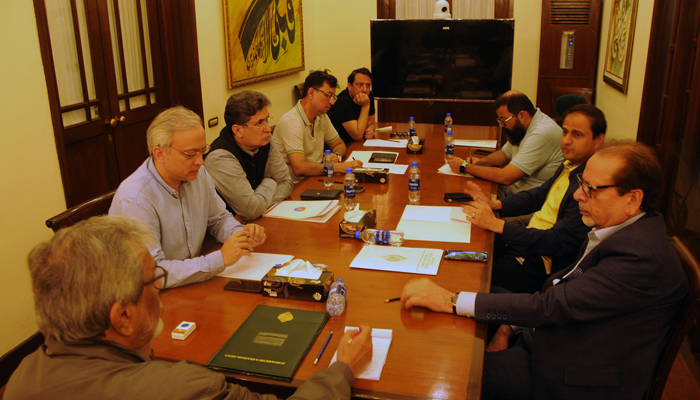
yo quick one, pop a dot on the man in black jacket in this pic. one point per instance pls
(525, 256)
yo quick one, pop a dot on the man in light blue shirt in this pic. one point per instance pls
(175, 196)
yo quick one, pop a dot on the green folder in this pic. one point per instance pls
(271, 342)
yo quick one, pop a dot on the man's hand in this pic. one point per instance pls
(236, 246)
(351, 164)
(426, 293)
(361, 100)
(355, 348)
(369, 132)
(500, 340)
(455, 163)
(482, 216)
(472, 189)
(256, 232)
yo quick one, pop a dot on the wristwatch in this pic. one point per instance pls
(454, 303)
(463, 168)
(340, 158)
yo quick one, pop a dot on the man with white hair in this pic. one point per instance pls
(96, 295)
(175, 196)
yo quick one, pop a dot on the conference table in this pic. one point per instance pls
(432, 355)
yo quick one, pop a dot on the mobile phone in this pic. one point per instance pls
(482, 152)
(461, 255)
(450, 197)
(358, 189)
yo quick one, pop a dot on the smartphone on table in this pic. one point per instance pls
(463, 255)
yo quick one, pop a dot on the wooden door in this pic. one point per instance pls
(103, 70)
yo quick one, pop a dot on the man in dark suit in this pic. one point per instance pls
(525, 256)
(597, 328)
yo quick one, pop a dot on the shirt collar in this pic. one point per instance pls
(602, 234)
(302, 113)
(152, 169)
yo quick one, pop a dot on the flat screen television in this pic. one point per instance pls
(438, 59)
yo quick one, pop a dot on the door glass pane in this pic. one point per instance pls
(147, 42)
(64, 49)
(115, 47)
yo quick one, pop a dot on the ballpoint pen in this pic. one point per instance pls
(470, 155)
(320, 353)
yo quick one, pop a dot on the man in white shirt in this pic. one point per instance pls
(597, 328)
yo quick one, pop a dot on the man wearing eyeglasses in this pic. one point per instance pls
(301, 132)
(353, 113)
(597, 328)
(175, 196)
(525, 256)
(96, 294)
(247, 168)
(532, 153)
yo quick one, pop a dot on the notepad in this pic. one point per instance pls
(305, 210)
(434, 224)
(381, 341)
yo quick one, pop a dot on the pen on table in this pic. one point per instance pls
(320, 353)
(321, 180)
(392, 299)
(389, 140)
(470, 155)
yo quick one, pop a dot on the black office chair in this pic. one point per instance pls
(96, 206)
(686, 316)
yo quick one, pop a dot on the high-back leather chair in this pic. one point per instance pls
(96, 206)
(686, 316)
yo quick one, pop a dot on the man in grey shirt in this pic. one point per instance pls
(248, 170)
(96, 294)
(175, 196)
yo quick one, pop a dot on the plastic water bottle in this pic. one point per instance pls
(448, 123)
(349, 183)
(328, 170)
(335, 305)
(411, 128)
(377, 236)
(414, 184)
(449, 147)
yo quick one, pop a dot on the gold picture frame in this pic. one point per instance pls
(618, 55)
(264, 40)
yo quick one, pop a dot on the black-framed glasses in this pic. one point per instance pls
(190, 154)
(330, 96)
(587, 188)
(160, 278)
(262, 125)
(502, 121)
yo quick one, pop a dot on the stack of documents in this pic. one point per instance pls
(381, 341)
(398, 259)
(489, 144)
(309, 210)
(364, 156)
(398, 143)
(254, 267)
(436, 224)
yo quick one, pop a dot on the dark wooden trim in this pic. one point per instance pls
(10, 361)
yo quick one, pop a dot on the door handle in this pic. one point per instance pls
(114, 121)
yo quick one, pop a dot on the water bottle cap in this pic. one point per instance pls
(328, 152)
(414, 164)
(349, 170)
(449, 115)
(411, 118)
(357, 235)
(340, 280)
(449, 133)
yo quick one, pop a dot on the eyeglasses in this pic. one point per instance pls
(190, 154)
(330, 96)
(160, 279)
(588, 188)
(502, 121)
(265, 123)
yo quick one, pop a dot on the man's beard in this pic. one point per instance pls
(516, 135)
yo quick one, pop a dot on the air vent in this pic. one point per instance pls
(573, 12)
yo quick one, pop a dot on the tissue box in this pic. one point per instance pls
(371, 175)
(415, 148)
(348, 229)
(284, 287)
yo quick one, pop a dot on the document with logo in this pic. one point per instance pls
(436, 224)
(304, 210)
(398, 259)
(381, 341)
(271, 342)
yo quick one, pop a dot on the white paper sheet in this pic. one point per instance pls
(381, 341)
(398, 169)
(445, 169)
(397, 143)
(255, 266)
(398, 259)
(434, 224)
(304, 210)
(489, 144)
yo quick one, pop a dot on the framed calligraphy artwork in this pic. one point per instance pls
(618, 56)
(264, 40)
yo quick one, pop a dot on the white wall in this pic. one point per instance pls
(31, 182)
(336, 37)
(526, 47)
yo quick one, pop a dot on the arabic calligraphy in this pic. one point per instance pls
(268, 29)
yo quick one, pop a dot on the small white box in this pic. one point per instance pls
(183, 330)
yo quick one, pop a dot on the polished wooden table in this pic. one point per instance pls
(432, 355)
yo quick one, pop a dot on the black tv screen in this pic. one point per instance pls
(437, 59)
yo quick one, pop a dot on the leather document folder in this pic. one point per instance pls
(314, 194)
(270, 343)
